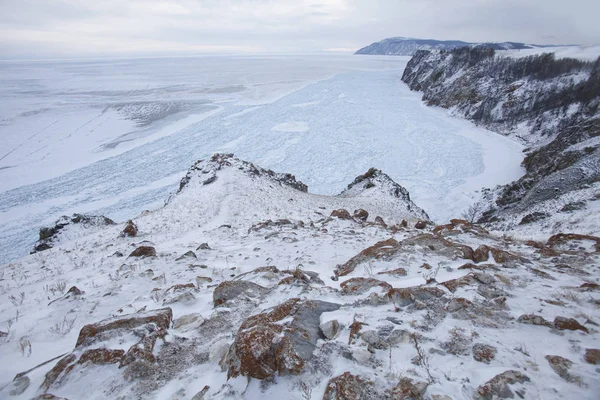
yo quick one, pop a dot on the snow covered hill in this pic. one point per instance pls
(403, 46)
(549, 104)
(245, 286)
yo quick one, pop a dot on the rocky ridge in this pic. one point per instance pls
(247, 287)
(550, 104)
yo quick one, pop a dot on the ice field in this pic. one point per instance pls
(114, 137)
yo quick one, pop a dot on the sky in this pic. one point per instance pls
(71, 28)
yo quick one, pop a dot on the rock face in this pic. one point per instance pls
(49, 236)
(509, 94)
(280, 340)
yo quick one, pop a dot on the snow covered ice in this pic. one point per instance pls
(114, 137)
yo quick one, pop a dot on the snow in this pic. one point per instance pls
(586, 53)
(340, 115)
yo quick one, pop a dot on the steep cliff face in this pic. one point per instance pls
(550, 104)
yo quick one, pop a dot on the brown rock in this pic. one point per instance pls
(130, 230)
(361, 214)
(563, 323)
(421, 225)
(348, 387)
(481, 254)
(341, 214)
(592, 356)
(362, 285)
(144, 251)
(93, 332)
(407, 389)
(498, 387)
(265, 344)
(484, 353)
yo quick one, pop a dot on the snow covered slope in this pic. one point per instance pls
(549, 104)
(245, 286)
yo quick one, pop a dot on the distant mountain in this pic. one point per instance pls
(402, 46)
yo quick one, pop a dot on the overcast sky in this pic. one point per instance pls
(59, 28)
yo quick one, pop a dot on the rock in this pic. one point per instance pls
(533, 319)
(499, 386)
(421, 225)
(484, 353)
(355, 286)
(481, 254)
(144, 251)
(361, 214)
(563, 323)
(506, 258)
(19, 385)
(407, 389)
(372, 338)
(330, 328)
(200, 394)
(188, 320)
(349, 387)
(561, 366)
(203, 246)
(278, 340)
(130, 230)
(187, 256)
(110, 327)
(341, 214)
(229, 290)
(380, 221)
(592, 356)
(361, 355)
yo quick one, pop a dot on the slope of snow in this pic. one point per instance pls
(350, 123)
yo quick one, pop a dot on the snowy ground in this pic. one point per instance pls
(587, 53)
(114, 137)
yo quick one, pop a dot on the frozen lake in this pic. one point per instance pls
(115, 136)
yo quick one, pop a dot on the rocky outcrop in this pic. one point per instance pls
(49, 236)
(279, 340)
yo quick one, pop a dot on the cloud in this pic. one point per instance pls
(86, 27)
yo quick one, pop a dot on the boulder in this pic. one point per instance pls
(571, 324)
(229, 290)
(481, 254)
(592, 356)
(355, 286)
(361, 214)
(484, 353)
(499, 386)
(278, 340)
(130, 230)
(143, 252)
(330, 328)
(189, 255)
(421, 225)
(349, 387)
(341, 214)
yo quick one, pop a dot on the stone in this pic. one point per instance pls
(203, 246)
(533, 319)
(361, 214)
(189, 255)
(481, 254)
(330, 328)
(143, 252)
(592, 356)
(421, 225)
(408, 389)
(499, 386)
(349, 387)
(563, 323)
(341, 214)
(484, 353)
(356, 286)
(130, 230)
(278, 340)
(229, 290)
